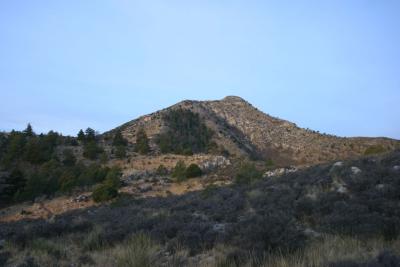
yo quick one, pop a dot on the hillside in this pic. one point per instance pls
(338, 214)
(243, 130)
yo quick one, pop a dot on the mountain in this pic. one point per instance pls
(79, 201)
(243, 130)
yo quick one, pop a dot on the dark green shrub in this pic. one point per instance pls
(15, 182)
(142, 142)
(69, 158)
(119, 140)
(105, 191)
(179, 172)
(161, 170)
(193, 171)
(113, 177)
(91, 150)
(120, 152)
(92, 174)
(269, 164)
(247, 173)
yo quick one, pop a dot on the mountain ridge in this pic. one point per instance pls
(245, 131)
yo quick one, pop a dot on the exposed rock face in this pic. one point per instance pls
(280, 172)
(81, 198)
(243, 130)
(214, 163)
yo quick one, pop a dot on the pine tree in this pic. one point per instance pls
(90, 135)
(81, 136)
(142, 142)
(15, 182)
(33, 151)
(119, 140)
(15, 147)
(29, 131)
(179, 172)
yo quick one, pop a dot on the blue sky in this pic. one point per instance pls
(333, 65)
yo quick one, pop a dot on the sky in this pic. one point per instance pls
(331, 66)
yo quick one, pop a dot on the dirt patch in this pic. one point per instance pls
(46, 209)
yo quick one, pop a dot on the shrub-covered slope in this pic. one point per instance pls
(355, 198)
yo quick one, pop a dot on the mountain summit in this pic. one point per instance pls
(243, 130)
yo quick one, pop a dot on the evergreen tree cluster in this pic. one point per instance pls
(91, 149)
(30, 165)
(27, 146)
(186, 133)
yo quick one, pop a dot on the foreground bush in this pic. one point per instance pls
(138, 251)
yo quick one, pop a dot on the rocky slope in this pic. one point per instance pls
(243, 130)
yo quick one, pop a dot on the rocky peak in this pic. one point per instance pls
(243, 130)
(233, 99)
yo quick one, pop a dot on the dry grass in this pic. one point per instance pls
(141, 251)
(320, 253)
(138, 251)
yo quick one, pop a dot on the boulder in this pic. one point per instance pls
(338, 164)
(396, 168)
(341, 189)
(81, 198)
(355, 170)
(311, 233)
(219, 227)
(380, 186)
